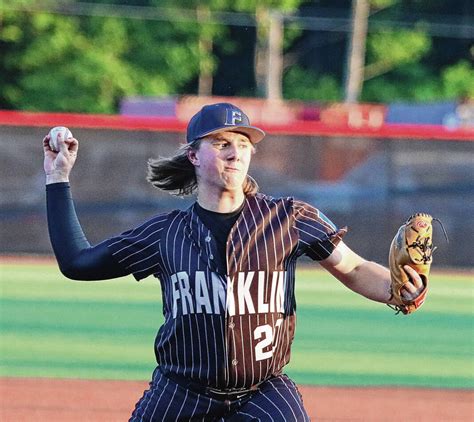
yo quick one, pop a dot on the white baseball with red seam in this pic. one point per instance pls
(53, 136)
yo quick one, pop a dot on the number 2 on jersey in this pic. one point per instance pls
(267, 334)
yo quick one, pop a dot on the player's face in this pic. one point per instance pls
(223, 160)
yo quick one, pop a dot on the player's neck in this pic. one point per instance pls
(223, 201)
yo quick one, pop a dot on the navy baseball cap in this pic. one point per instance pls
(221, 117)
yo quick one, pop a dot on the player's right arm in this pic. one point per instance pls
(77, 259)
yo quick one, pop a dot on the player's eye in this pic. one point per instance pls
(221, 144)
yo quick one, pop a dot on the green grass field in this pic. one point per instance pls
(54, 327)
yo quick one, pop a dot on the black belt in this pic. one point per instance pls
(215, 393)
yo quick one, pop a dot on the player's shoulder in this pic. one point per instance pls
(268, 204)
(298, 204)
(305, 212)
(164, 216)
(264, 198)
(287, 201)
(163, 219)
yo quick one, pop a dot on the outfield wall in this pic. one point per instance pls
(368, 179)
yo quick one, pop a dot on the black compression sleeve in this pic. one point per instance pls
(76, 258)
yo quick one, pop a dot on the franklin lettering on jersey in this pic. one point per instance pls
(192, 294)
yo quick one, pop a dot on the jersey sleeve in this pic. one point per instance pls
(137, 251)
(317, 234)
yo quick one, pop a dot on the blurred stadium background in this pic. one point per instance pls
(368, 106)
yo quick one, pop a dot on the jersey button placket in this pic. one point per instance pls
(212, 264)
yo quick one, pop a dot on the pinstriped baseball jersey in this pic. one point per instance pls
(227, 330)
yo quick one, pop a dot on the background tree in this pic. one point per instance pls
(406, 57)
(80, 59)
(263, 10)
(88, 63)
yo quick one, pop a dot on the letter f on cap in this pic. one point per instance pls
(234, 117)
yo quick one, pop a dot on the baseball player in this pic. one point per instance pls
(227, 272)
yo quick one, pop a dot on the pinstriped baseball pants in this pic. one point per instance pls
(277, 400)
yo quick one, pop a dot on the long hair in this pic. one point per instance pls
(177, 175)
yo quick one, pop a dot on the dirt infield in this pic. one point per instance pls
(43, 399)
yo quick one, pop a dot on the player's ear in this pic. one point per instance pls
(193, 156)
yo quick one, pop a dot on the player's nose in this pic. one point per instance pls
(233, 152)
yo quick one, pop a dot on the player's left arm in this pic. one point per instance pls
(368, 278)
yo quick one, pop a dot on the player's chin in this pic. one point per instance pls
(233, 183)
(235, 178)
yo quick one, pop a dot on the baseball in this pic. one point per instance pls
(54, 132)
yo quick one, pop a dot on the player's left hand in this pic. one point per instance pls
(412, 289)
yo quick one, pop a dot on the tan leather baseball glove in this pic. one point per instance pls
(413, 246)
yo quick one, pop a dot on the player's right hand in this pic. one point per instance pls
(58, 165)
